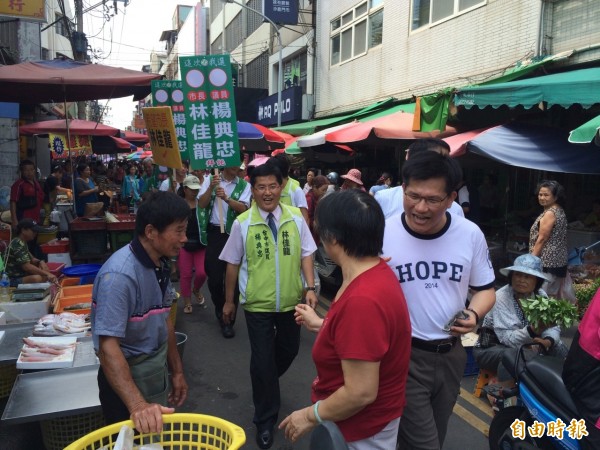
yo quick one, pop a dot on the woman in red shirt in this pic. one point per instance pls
(362, 348)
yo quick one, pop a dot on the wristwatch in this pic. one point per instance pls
(311, 288)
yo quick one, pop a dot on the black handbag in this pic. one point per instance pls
(488, 337)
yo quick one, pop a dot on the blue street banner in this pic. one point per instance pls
(283, 12)
(210, 116)
(170, 93)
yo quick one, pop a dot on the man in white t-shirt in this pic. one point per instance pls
(437, 257)
(391, 199)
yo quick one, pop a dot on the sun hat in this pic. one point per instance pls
(529, 264)
(354, 175)
(192, 182)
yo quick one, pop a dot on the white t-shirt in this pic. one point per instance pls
(436, 271)
(166, 184)
(228, 186)
(298, 198)
(392, 202)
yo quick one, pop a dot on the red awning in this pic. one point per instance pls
(458, 142)
(76, 127)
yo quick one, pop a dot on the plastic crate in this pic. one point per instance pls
(126, 222)
(471, 368)
(89, 243)
(85, 272)
(58, 433)
(55, 246)
(55, 268)
(180, 431)
(119, 239)
(8, 375)
(72, 295)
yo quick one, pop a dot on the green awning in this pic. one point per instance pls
(407, 107)
(564, 89)
(586, 132)
(311, 126)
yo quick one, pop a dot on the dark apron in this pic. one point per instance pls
(150, 375)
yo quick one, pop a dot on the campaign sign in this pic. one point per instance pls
(170, 93)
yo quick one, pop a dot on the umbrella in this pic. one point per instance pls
(586, 133)
(75, 126)
(136, 138)
(258, 161)
(254, 137)
(388, 129)
(70, 81)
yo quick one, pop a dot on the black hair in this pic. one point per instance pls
(420, 145)
(25, 224)
(160, 209)
(265, 170)
(313, 170)
(81, 167)
(282, 163)
(354, 220)
(382, 179)
(56, 168)
(427, 165)
(26, 162)
(555, 188)
(538, 282)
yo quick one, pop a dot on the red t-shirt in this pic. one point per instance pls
(21, 188)
(369, 322)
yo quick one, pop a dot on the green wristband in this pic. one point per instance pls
(316, 411)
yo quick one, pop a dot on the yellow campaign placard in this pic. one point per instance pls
(163, 140)
(25, 9)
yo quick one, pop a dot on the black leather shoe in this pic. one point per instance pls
(264, 438)
(227, 331)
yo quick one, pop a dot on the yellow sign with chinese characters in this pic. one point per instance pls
(163, 140)
(80, 145)
(26, 9)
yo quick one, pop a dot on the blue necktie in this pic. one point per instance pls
(272, 226)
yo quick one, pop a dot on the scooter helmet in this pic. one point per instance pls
(333, 178)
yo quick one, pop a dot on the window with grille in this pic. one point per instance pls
(355, 31)
(233, 33)
(254, 20)
(294, 72)
(428, 12)
(257, 72)
(60, 26)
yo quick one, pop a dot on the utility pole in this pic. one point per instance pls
(79, 49)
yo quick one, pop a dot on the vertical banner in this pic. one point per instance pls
(210, 116)
(161, 131)
(170, 93)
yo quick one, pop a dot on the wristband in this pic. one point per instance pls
(476, 315)
(316, 411)
(311, 288)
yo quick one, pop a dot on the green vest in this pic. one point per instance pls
(286, 193)
(204, 214)
(270, 273)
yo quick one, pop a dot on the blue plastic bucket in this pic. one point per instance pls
(86, 272)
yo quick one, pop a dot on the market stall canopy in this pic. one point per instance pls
(387, 129)
(564, 89)
(458, 142)
(65, 80)
(257, 138)
(135, 138)
(76, 127)
(535, 147)
(586, 133)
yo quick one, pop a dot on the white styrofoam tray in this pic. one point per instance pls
(59, 362)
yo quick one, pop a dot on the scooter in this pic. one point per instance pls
(329, 272)
(542, 398)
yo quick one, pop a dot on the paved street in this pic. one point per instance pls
(218, 375)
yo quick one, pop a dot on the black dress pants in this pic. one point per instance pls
(274, 343)
(215, 271)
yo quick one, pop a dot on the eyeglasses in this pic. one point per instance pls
(416, 199)
(264, 188)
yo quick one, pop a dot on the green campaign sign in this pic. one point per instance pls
(170, 93)
(210, 117)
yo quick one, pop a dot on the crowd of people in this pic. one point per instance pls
(389, 359)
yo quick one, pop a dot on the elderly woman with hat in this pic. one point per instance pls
(505, 327)
(353, 180)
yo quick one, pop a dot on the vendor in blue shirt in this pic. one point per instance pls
(133, 335)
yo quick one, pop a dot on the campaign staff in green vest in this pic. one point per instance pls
(269, 247)
(235, 199)
(291, 192)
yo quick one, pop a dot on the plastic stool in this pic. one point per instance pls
(483, 379)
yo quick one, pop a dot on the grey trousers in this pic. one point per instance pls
(432, 388)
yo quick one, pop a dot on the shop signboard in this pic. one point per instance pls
(80, 145)
(291, 107)
(284, 12)
(170, 93)
(161, 131)
(33, 10)
(210, 114)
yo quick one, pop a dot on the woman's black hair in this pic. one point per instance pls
(555, 188)
(538, 282)
(354, 220)
(81, 167)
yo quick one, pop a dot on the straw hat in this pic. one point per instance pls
(529, 264)
(354, 175)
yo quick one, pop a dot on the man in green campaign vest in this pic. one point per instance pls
(291, 192)
(269, 247)
(234, 194)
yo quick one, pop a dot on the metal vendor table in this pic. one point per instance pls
(53, 393)
(11, 344)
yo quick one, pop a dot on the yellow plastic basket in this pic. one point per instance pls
(180, 432)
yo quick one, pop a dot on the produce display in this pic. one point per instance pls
(542, 312)
(63, 324)
(47, 353)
